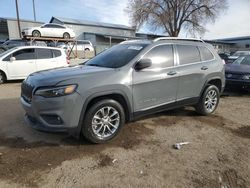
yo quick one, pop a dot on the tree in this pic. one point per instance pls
(172, 16)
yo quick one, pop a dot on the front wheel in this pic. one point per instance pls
(36, 33)
(66, 36)
(103, 121)
(2, 77)
(208, 101)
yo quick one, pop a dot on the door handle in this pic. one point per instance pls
(171, 73)
(204, 68)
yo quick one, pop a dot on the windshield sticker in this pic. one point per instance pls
(135, 47)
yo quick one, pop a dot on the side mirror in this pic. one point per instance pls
(12, 59)
(142, 64)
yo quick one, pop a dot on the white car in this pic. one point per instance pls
(49, 30)
(81, 45)
(19, 62)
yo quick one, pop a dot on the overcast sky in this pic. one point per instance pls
(232, 23)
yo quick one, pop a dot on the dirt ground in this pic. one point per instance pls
(218, 155)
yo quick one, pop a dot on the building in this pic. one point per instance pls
(221, 46)
(237, 43)
(9, 27)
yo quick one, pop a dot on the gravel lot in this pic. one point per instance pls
(141, 156)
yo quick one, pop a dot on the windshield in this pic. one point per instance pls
(7, 51)
(243, 60)
(117, 56)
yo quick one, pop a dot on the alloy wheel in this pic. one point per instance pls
(211, 100)
(105, 122)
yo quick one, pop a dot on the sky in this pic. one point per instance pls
(231, 23)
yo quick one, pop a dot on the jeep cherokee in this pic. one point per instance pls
(123, 83)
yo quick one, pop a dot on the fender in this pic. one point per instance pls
(77, 130)
(208, 80)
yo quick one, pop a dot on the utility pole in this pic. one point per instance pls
(18, 20)
(34, 10)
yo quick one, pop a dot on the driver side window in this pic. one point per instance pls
(161, 56)
(25, 54)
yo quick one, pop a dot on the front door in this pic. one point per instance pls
(23, 65)
(157, 85)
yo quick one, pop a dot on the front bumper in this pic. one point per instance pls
(237, 84)
(58, 114)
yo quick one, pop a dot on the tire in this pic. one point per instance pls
(208, 101)
(96, 127)
(2, 77)
(87, 49)
(66, 36)
(36, 33)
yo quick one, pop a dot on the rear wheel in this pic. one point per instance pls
(103, 121)
(208, 101)
(2, 77)
(66, 36)
(36, 33)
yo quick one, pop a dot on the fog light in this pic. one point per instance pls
(52, 119)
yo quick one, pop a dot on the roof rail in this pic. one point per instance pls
(177, 38)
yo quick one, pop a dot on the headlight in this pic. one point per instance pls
(246, 77)
(56, 91)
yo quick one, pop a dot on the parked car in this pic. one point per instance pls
(123, 83)
(237, 54)
(224, 56)
(19, 62)
(2, 41)
(80, 45)
(19, 42)
(3, 49)
(49, 30)
(238, 73)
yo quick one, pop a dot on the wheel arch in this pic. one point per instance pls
(37, 31)
(4, 73)
(213, 81)
(118, 96)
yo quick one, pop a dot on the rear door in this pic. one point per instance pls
(190, 70)
(157, 85)
(24, 64)
(45, 59)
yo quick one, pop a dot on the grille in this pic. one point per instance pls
(26, 92)
(234, 76)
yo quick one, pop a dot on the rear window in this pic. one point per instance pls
(188, 54)
(206, 55)
(44, 53)
(56, 53)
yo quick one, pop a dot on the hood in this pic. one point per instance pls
(53, 77)
(237, 68)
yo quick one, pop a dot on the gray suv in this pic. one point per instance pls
(123, 83)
